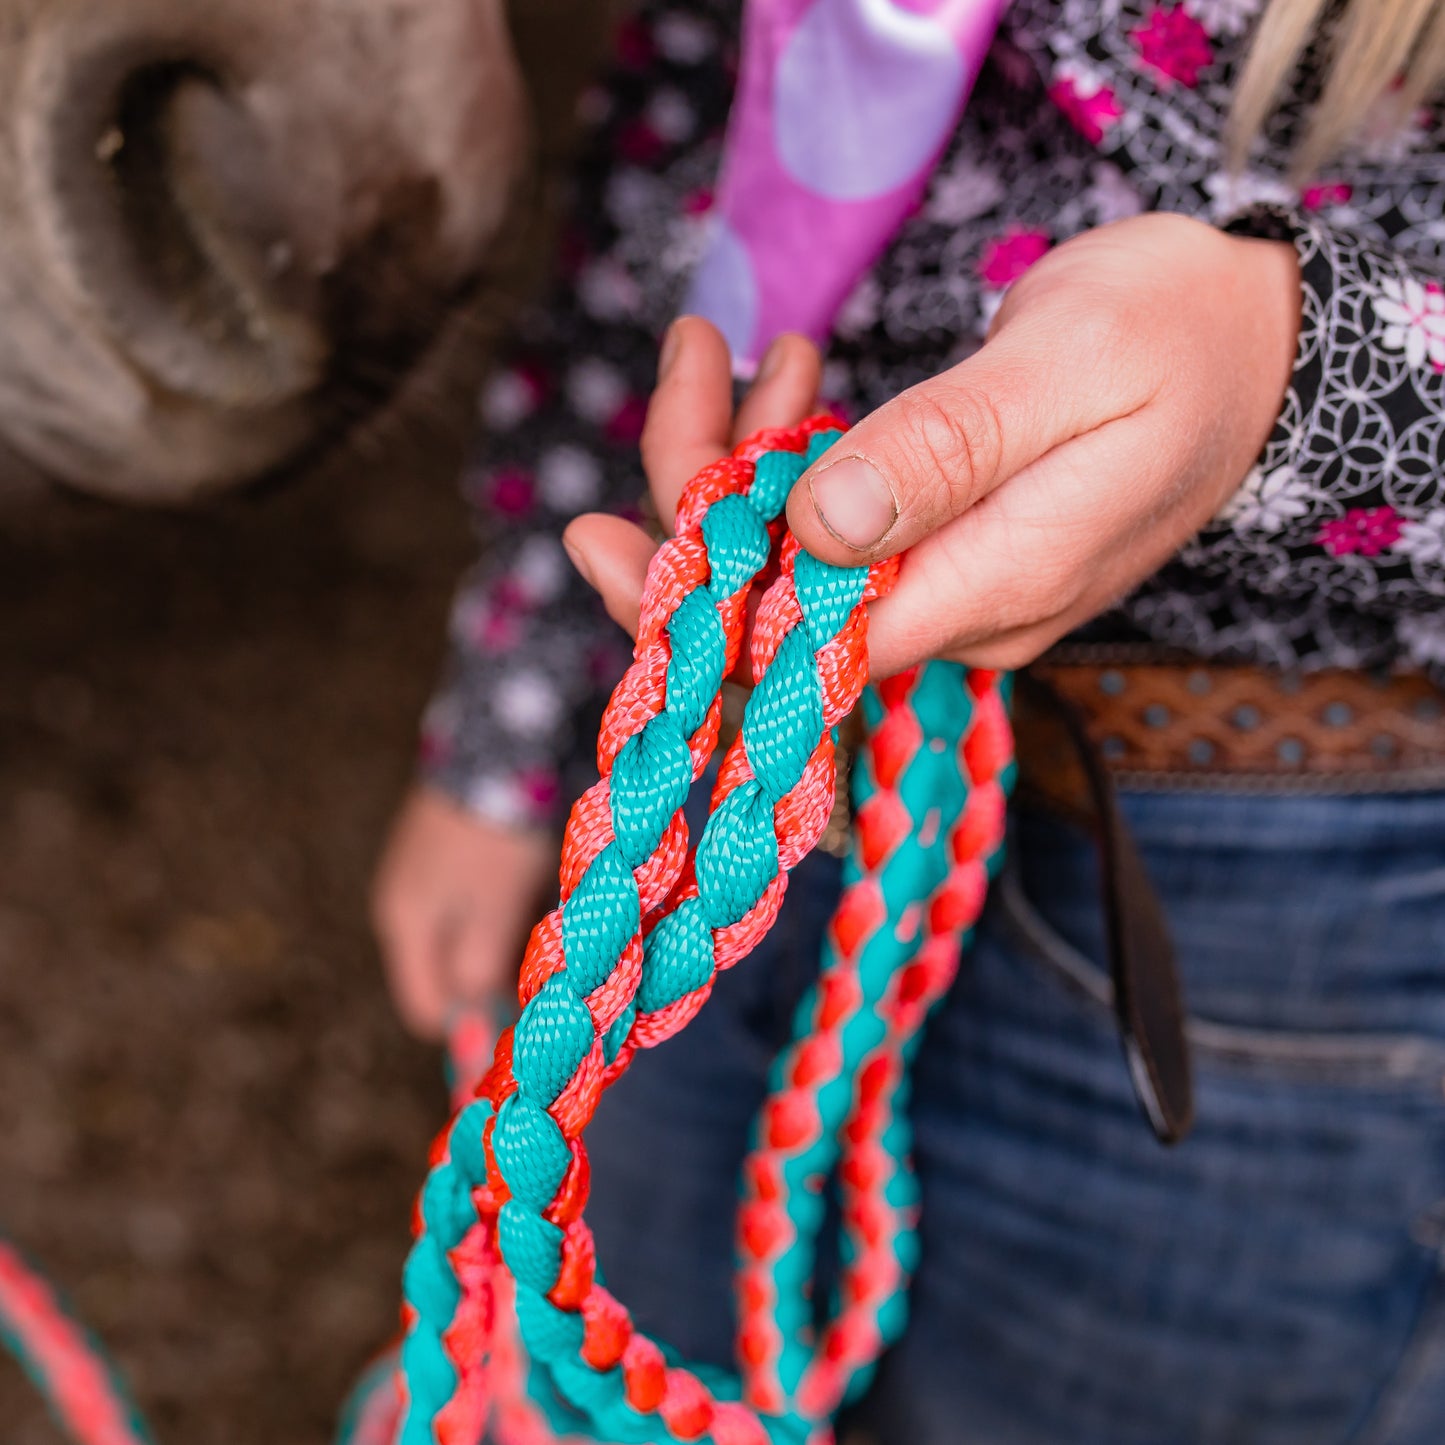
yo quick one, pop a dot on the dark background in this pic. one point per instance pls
(210, 1125)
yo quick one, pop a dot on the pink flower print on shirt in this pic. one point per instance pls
(494, 622)
(1413, 313)
(624, 428)
(1006, 259)
(636, 47)
(1325, 193)
(485, 623)
(540, 787)
(512, 395)
(1088, 104)
(493, 627)
(511, 491)
(640, 144)
(1174, 45)
(433, 748)
(507, 595)
(437, 738)
(699, 202)
(1366, 530)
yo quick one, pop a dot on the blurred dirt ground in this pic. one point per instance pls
(210, 1125)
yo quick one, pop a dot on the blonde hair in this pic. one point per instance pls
(1375, 44)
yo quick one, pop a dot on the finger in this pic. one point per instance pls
(479, 965)
(1062, 539)
(1010, 651)
(613, 556)
(937, 449)
(413, 972)
(689, 418)
(785, 390)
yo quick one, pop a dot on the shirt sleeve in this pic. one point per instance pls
(1348, 498)
(531, 655)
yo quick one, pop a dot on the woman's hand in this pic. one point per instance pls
(454, 899)
(690, 422)
(455, 896)
(1130, 380)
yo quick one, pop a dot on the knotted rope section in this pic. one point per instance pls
(645, 922)
(503, 1258)
(68, 1365)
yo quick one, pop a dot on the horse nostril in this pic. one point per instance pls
(166, 206)
(245, 229)
(200, 198)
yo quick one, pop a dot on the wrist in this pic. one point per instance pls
(1279, 292)
(504, 804)
(1268, 306)
(1271, 300)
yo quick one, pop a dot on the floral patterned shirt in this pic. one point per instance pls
(1331, 553)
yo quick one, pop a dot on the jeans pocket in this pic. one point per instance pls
(1339, 1057)
(1411, 1406)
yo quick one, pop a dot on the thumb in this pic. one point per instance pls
(934, 450)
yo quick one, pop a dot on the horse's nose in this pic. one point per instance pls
(165, 203)
(235, 231)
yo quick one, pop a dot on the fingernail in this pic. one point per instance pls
(854, 502)
(671, 345)
(579, 562)
(772, 360)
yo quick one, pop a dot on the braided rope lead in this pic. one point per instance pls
(592, 991)
(66, 1363)
(645, 923)
(930, 790)
(626, 960)
(371, 1414)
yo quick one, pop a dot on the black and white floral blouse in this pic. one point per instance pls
(1331, 554)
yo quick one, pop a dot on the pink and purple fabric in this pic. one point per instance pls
(843, 108)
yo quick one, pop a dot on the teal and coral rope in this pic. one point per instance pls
(503, 1258)
(67, 1364)
(937, 749)
(645, 922)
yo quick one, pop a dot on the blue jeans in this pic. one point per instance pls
(1275, 1280)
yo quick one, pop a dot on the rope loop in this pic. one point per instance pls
(507, 1326)
(647, 918)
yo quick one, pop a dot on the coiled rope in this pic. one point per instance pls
(507, 1326)
(629, 956)
(67, 1364)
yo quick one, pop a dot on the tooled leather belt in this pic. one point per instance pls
(1091, 720)
(1165, 723)
(1160, 721)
